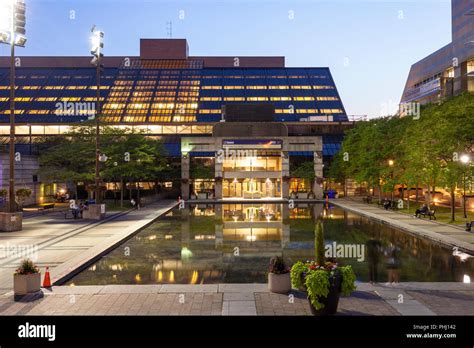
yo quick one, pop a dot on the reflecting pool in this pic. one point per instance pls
(233, 243)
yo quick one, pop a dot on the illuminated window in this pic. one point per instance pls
(278, 87)
(76, 87)
(211, 87)
(307, 111)
(256, 87)
(70, 99)
(331, 111)
(280, 98)
(234, 87)
(323, 87)
(257, 98)
(211, 98)
(210, 111)
(46, 99)
(234, 98)
(326, 98)
(301, 87)
(54, 87)
(303, 98)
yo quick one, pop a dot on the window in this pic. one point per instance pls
(331, 111)
(303, 98)
(280, 98)
(326, 98)
(323, 87)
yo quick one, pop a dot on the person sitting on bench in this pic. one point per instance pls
(387, 204)
(422, 211)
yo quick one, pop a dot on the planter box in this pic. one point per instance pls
(24, 284)
(10, 222)
(94, 212)
(279, 283)
(330, 302)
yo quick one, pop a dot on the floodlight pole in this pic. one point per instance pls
(11, 194)
(98, 198)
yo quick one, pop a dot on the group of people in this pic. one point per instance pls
(78, 209)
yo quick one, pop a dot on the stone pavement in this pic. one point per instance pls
(65, 244)
(240, 299)
(439, 232)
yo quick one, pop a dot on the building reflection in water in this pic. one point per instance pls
(232, 243)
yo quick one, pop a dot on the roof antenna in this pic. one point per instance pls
(169, 29)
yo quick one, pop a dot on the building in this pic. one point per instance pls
(180, 99)
(450, 70)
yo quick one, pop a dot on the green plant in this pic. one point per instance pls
(277, 265)
(27, 267)
(317, 279)
(348, 280)
(317, 285)
(21, 195)
(319, 243)
(296, 274)
(3, 193)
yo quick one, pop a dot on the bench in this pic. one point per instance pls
(429, 213)
(45, 206)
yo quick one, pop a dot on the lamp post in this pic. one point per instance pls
(96, 51)
(465, 159)
(390, 164)
(12, 32)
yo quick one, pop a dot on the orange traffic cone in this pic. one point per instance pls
(47, 279)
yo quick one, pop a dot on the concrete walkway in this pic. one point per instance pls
(67, 244)
(451, 236)
(240, 299)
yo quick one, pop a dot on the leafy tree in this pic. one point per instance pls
(305, 171)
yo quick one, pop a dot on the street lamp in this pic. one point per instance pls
(97, 41)
(12, 32)
(390, 164)
(465, 159)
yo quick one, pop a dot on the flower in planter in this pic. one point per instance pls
(321, 277)
(27, 267)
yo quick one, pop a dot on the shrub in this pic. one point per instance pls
(278, 266)
(27, 267)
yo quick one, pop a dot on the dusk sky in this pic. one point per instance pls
(368, 45)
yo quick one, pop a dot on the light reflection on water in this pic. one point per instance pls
(232, 243)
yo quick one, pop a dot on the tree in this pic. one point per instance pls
(305, 171)
(130, 155)
(319, 243)
(21, 195)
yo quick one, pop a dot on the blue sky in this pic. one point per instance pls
(369, 45)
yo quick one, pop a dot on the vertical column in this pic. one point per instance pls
(218, 177)
(285, 174)
(185, 163)
(318, 171)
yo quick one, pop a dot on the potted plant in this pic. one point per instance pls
(22, 195)
(279, 279)
(26, 279)
(324, 281)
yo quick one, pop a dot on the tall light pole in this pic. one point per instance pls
(96, 51)
(390, 164)
(12, 33)
(465, 159)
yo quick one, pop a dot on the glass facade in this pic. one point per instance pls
(155, 93)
